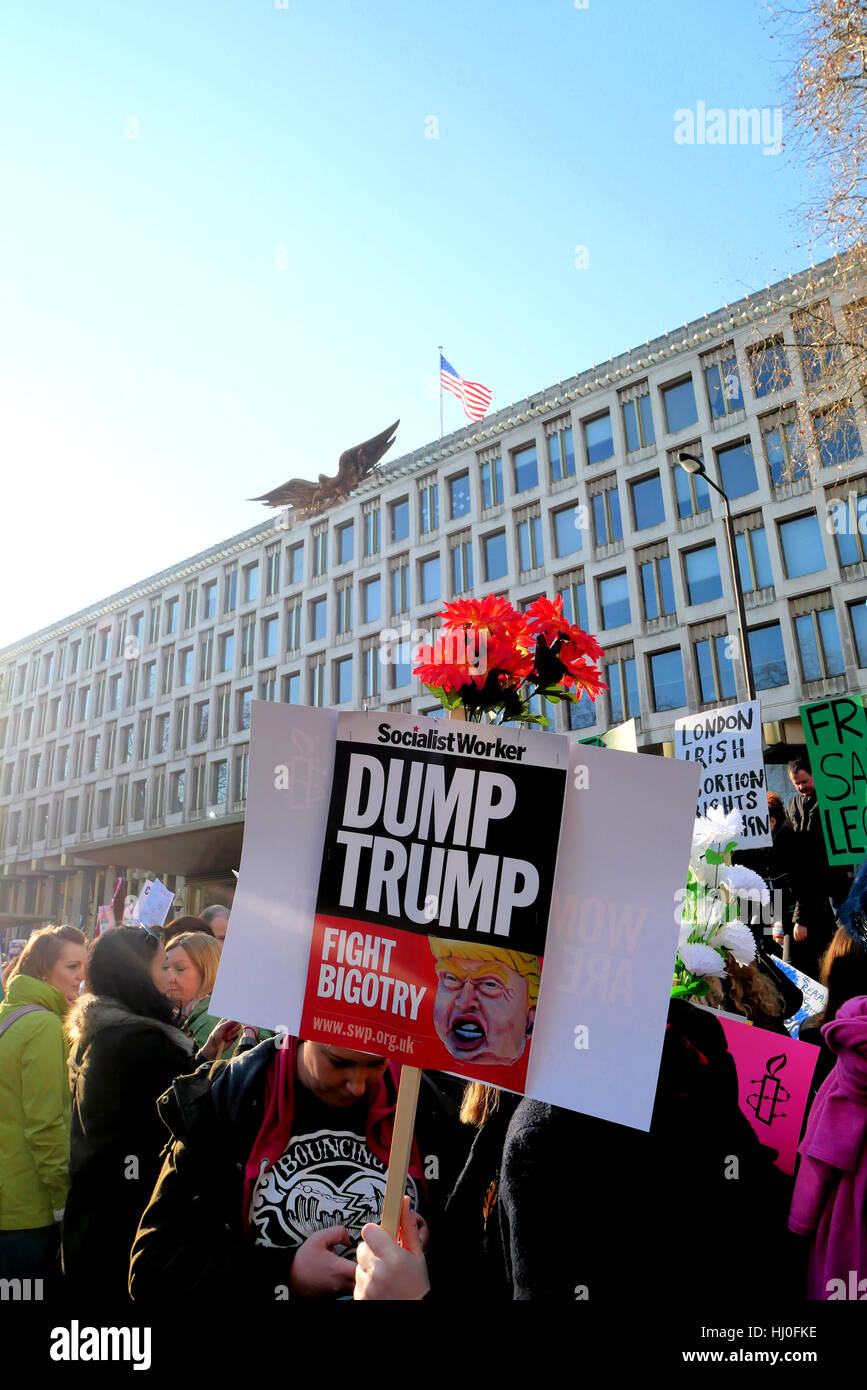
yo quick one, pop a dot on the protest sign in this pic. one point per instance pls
(433, 902)
(774, 1075)
(727, 745)
(609, 952)
(815, 996)
(153, 904)
(105, 919)
(623, 737)
(836, 736)
(130, 905)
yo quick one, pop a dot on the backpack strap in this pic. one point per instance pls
(19, 1013)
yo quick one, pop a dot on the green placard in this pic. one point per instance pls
(836, 736)
(595, 741)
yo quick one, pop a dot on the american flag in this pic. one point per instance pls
(474, 398)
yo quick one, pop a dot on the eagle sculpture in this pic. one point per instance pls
(353, 465)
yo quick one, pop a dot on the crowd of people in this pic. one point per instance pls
(151, 1151)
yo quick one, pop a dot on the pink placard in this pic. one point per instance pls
(774, 1075)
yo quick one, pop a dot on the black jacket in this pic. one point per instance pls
(816, 879)
(120, 1063)
(191, 1239)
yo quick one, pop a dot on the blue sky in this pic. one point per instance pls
(229, 246)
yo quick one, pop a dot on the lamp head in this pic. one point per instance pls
(691, 463)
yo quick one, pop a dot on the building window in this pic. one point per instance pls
(399, 517)
(344, 608)
(197, 786)
(638, 422)
(345, 542)
(103, 808)
(371, 531)
(858, 619)
(127, 737)
(89, 649)
(110, 739)
(132, 681)
(190, 607)
(819, 646)
(703, 581)
(138, 799)
(219, 782)
(242, 769)
(815, 334)
(693, 495)
(462, 567)
(723, 383)
(737, 469)
(847, 518)
(292, 688)
(144, 736)
(36, 758)
(801, 540)
(230, 590)
(248, 641)
(185, 667)
(206, 653)
(317, 683)
(103, 641)
(74, 653)
(648, 508)
(270, 636)
(666, 677)
(769, 367)
(754, 561)
(71, 815)
(115, 682)
(598, 438)
(531, 553)
(526, 468)
(251, 583)
(177, 791)
(168, 668)
(614, 600)
(459, 495)
(561, 455)
(496, 556)
(209, 599)
(272, 570)
(680, 409)
(203, 714)
(171, 612)
(371, 600)
(370, 671)
(182, 724)
(223, 713)
(318, 619)
(293, 626)
(161, 740)
(784, 448)
(429, 579)
(402, 669)
(606, 517)
(716, 676)
(574, 595)
(226, 651)
(343, 681)
(492, 482)
(657, 587)
(621, 678)
(83, 706)
(837, 436)
(244, 699)
(428, 507)
(295, 557)
(768, 657)
(568, 523)
(400, 588)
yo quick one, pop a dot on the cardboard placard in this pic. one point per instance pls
(774, 1076)
(726, 743)
(835, 732)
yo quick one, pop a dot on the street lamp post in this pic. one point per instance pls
(692, 464)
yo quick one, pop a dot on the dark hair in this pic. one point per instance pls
(43, 949)
(801, 764)
(186, 923)
(776, 807)
(119, 966)
(843, 970)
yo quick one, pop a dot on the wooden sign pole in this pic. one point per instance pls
(404, 1124)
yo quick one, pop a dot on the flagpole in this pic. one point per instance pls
(441, 431)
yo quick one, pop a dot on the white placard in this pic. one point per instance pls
(726, 743)
(154, 903)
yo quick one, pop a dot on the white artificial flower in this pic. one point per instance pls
(743, 883)
(716, 828)
(704, 872)
(708, 911)
(700, 959)
(686, 929)
(737, 938)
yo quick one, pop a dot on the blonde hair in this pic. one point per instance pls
(522, 962)
(479, 1103)
(746, 990)
(204, 951)
(44, 949)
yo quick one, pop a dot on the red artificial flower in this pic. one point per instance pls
(438, 669)
(579, 671)
(547, 620)
(493, 613)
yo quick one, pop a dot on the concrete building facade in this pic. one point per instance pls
(124, 729)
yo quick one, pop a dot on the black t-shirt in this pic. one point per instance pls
(326, 1176)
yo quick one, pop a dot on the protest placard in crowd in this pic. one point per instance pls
(623, 737)
(154, 903)
(774, 1076)
(836, 736)
(603, 971)
(726, 743)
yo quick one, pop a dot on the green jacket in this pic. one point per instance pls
(34, 1107)
(200, 1024)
